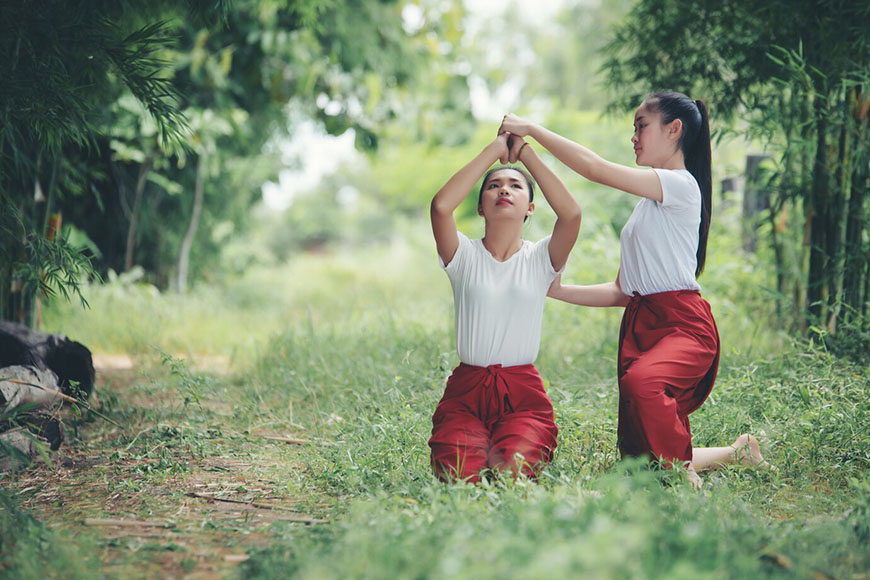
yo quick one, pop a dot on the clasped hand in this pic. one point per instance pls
(511, 133)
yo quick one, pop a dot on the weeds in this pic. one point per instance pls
(29, 549)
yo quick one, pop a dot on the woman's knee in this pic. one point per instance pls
(526, 442)
(451, 462)
(637, 385)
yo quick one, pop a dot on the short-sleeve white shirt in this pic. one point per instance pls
(499, 306)
(659, 242)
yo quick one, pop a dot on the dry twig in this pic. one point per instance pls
(293, 441)
(117, 522)
(265, 506)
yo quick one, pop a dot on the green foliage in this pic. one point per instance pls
(31, 550)
(108, 110)
(34, 265)
(62, 66)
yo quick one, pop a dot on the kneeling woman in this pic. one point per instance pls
(494, 412)
(668, 343)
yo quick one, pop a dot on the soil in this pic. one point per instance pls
(159, 508)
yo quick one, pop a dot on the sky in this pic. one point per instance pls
(312, 153)
(316, 153)
(538, 10)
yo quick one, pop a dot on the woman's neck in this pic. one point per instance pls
(675, 161)
(503, 241)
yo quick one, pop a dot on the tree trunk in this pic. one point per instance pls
(817, 216)
(804, 185)
(755, 201)
(865, 303)
(50, 229)
(137, 203)
(855, 255)
(837, 207)
(778, 253)
(187, 242)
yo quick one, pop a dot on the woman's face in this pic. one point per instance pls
(505, 195)
(653, 140)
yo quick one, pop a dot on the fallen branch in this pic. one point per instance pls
(292, 441)
(265, 506)
(66, 398)
(130, 523)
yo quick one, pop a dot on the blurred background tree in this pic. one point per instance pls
(62, 66)
(97, 101)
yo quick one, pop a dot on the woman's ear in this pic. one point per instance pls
(675, 129)
(480, 209)
(531, 209)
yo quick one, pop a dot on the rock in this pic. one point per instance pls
(71, 361)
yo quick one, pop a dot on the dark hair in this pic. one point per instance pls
(695, 145)
(522, 172)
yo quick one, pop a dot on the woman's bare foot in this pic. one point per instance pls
(748, 452)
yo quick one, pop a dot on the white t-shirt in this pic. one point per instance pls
(499, 305)
(659, 243)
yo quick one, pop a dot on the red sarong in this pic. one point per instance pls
(496, 417)
(668, 358)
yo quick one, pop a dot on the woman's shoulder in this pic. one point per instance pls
(543, 241)
(679, 187)
(676, 176)
(542, 246)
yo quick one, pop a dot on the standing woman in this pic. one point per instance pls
(668, 341)
(495, 412)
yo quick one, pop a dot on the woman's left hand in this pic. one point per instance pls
(504, 144)
(517, 126)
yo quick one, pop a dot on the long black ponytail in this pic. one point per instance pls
(697, 153)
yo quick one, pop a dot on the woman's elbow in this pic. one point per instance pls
(571, 218)
(437, 207)
(575, 216)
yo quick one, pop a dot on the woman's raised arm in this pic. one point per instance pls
(454, 191)
(568, 213)
(640, 182)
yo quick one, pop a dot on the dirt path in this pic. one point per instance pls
(159, 499)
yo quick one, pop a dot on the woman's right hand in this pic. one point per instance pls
(555, 287)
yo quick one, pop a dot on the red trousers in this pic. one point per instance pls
(668, 358)
(489, 415)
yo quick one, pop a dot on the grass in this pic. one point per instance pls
(351, 352)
